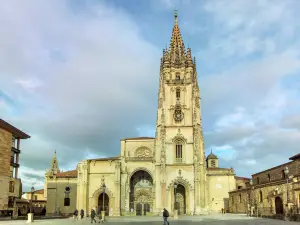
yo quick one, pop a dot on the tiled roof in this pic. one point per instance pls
(67, 174)
(241, 178)
(137, 138)
(212, 156)
(15, 131)
(40, 191)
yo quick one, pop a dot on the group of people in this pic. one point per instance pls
(93, 215)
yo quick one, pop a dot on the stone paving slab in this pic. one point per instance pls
(228, 219)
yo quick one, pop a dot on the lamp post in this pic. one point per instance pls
(30, 214)
(286, 172)
(32, 191)
(103, 187)
(250, 197)
(175, 201)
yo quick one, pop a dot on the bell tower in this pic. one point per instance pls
(179, 139)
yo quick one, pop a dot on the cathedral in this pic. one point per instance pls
(168, 171)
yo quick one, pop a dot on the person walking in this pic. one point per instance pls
(75, 214)
(165, 216)
(93, 214)
(81, 213)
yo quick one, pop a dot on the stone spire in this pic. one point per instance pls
(54, 164)
(177, 49)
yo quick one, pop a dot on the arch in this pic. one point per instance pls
(143, 151)
(180, 196)
(182, 181)
(141, 191)
(139, 169)
(278, 205)
(98, 191)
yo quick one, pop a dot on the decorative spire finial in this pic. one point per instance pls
(176, 16)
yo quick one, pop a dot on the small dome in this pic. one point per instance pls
(212, 156)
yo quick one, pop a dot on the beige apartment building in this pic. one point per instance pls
(272, 191)
(10, 184)
(169, 170)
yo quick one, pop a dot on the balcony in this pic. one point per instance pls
(145, 159)
(15, 150)
(178, 160)
(13, 164)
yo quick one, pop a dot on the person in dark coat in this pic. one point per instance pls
(165, 216)
(93, 214)
(81, 213)
(75, 214)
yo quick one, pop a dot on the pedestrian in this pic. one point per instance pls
(81, 213)
(75, 215)
(222, 210)
(93, 214)
(165, 216)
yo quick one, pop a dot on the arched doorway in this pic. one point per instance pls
(180, 199)
(141, 187)
(103, 198)
(278, 205)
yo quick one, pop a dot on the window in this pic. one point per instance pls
(239, 187)
(35, 197)
(67, 202)
(269, 177)
(260, 196)
(178, 93)
(240, 198)
(213, 163)
(11, 187)
(283, 174)
(257, 180)
(178, 152)
(177, 76)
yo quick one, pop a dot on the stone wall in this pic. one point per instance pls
(268, 186)
(5, 154)
(276, 173)
(56, 195)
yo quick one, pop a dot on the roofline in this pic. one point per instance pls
(105, 159)
(15, 131)
(138, 138)
(275, 167)
(297, 156)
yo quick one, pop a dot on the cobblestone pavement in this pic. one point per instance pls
(227, 219)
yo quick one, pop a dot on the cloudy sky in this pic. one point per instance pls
(80, 75)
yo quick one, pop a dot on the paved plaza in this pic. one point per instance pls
(227, 219)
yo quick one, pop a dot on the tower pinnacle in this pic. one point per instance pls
(176, 16)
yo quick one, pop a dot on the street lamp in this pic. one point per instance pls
(286, 172)
(32, 191)
(103, 187)
(175, 187)
(250, 197)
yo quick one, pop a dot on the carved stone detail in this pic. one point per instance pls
(143, 195)
(197, 102)
(143, 152)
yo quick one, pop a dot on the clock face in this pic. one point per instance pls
(178, 115)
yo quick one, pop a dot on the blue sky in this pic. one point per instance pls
(80, 75)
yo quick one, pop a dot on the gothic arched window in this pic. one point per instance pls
(178, 152)
(177, 93)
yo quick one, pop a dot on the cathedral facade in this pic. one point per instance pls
(169, 170)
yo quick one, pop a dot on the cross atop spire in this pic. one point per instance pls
(176, 16)
(177, 49)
